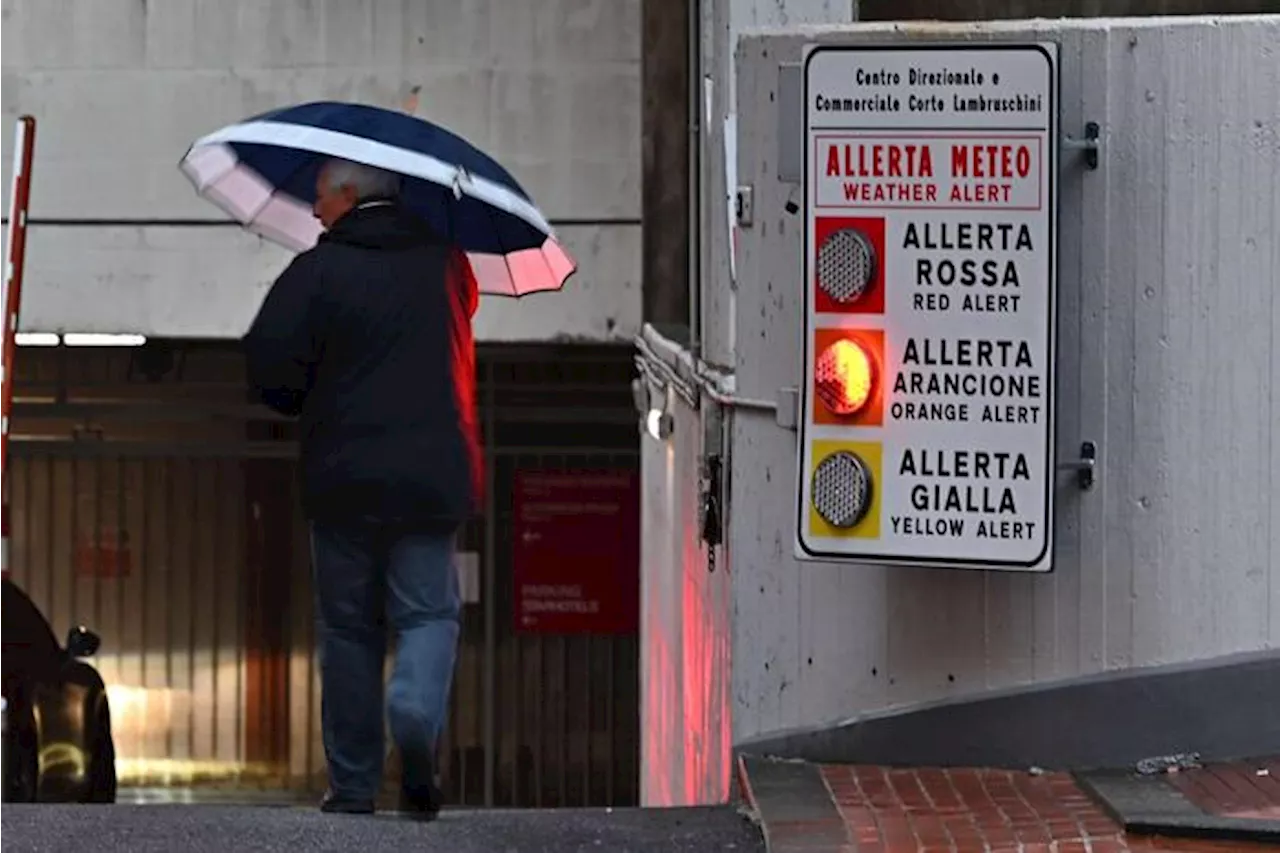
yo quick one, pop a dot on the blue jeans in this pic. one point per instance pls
(363, 572)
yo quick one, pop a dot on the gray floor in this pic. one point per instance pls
(225, 828)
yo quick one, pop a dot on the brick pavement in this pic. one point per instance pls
(930, 810)
(1239, 789)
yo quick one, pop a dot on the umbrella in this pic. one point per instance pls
(262, 172)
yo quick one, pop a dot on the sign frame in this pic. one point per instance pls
(1043, 562)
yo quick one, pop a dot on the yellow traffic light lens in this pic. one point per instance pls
(841, 489)
(845, 377)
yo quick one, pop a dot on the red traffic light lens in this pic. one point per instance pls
(845, 377)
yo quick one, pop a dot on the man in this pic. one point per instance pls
(367, 338)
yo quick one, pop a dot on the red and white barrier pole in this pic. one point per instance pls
(19, 197)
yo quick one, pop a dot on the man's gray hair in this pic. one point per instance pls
(367, 181)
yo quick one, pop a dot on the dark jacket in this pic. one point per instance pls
(367, 338)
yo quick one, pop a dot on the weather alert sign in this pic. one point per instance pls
(927, 435)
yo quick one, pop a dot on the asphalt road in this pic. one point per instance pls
(199, 828)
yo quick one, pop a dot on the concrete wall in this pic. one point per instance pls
(687, 611)
(120, 88)
(685, 630)
(986, 10)
(1168, 359)
(723, 21)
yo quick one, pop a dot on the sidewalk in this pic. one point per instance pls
(72, 828)
(807, 808)
(1234, 800)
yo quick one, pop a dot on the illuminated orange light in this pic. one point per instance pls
(845, 377)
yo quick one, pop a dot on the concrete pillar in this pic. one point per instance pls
(665, 176)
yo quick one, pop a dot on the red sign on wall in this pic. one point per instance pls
(106, 555)
(577, 551)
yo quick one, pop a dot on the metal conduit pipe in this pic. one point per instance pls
(701, 380)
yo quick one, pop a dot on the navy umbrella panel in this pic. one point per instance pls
(263, 171)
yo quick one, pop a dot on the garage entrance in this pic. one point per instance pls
(153, 505)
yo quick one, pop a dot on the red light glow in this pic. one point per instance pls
(845, 377)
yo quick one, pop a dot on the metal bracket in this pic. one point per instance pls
(788, 412)
(1089, 144)
(1083, 466)
(743, 206)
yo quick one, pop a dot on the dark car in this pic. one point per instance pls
(57, 723)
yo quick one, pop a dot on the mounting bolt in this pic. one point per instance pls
(1084, 466)
(1089, 144)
